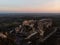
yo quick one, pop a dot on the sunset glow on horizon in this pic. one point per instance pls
(29, 5)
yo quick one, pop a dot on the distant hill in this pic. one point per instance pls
(29, 14)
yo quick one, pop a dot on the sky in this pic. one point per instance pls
(32, 6)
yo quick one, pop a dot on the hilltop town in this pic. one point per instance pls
(30, 32)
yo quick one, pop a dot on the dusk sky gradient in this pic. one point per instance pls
(26, 6)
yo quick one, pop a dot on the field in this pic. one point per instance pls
(12, 20)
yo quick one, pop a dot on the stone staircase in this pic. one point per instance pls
(58, 33)
(54, 39)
